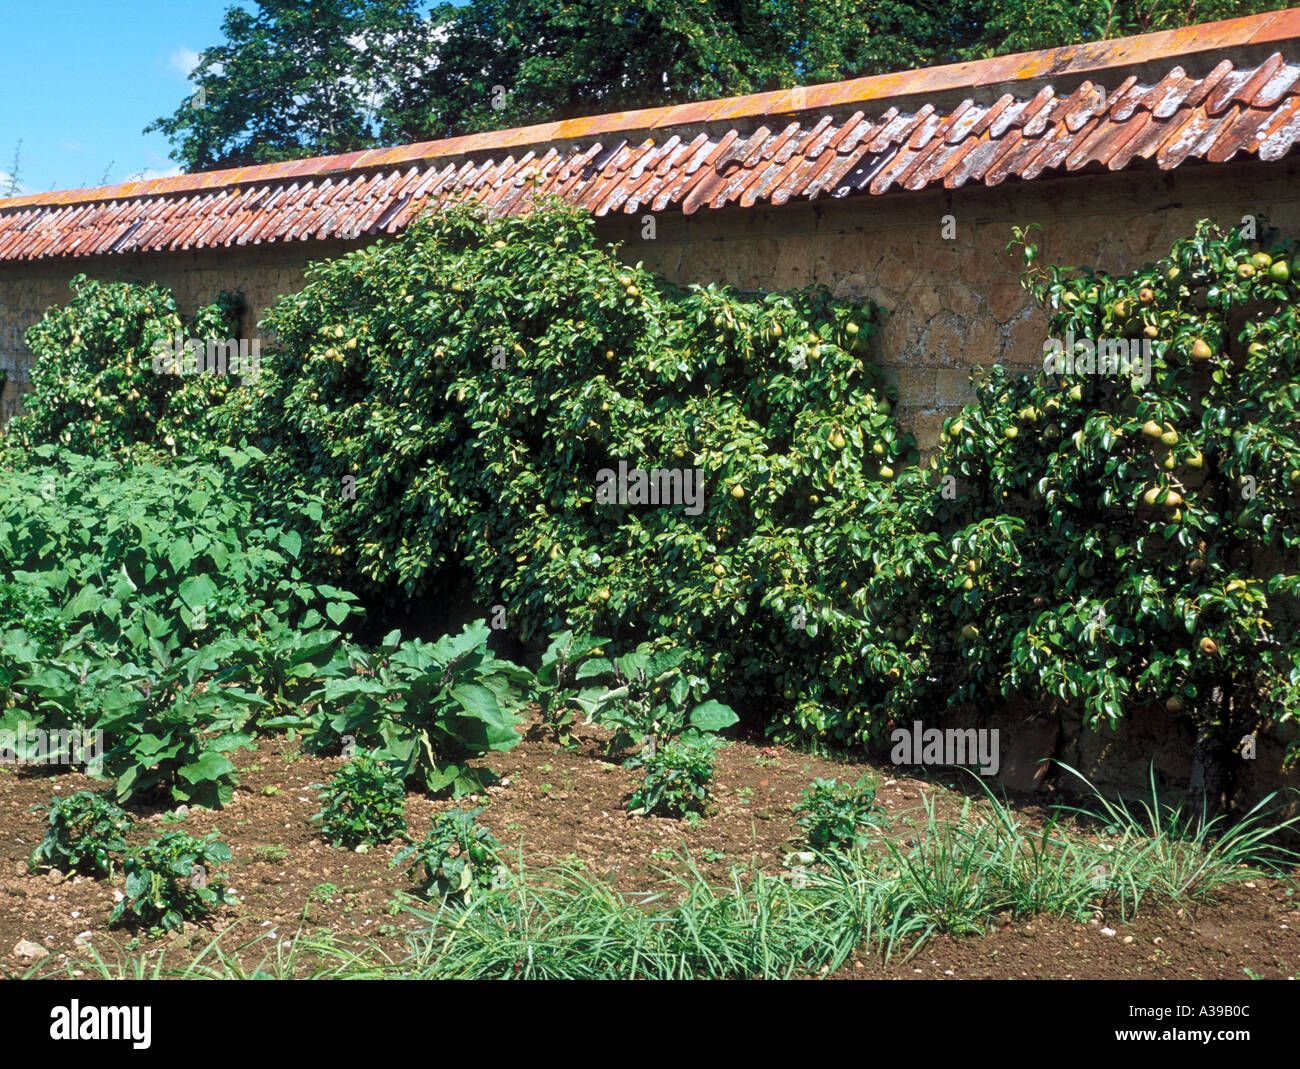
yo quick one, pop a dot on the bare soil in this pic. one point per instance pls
(559, 804)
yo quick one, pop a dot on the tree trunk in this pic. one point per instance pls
(1214, 763)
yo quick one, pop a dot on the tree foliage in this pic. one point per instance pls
(95, 388)
(458, 393)
(297, 78)
(1120, 540)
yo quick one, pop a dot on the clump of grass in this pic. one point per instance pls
(1161, 851)
(564, 924)
(561, 923)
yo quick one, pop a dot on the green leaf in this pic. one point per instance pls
(197, 590)
(291, 543)
(712, 716)
(210, 766)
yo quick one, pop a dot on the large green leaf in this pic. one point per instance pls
(712, 716)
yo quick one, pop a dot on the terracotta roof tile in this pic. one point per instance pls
(1279, 26)
(1060, 110)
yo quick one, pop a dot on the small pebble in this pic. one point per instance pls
(25, 948)
(1108, 931)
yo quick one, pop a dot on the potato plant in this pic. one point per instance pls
(567, 661)
(836, 817)
(149, 590)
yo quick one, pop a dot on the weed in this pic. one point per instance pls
(270, 852)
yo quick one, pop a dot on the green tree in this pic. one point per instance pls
(303, 77)
(295, 78)
(1122, 538)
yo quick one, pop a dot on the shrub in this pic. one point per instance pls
(1136, 543)
(1093, 542)
(170, 880)
(364, 803)
(456, 858)
(475, 377)
(837, 816)
(677, 779)
(94, 388)
(84, 831)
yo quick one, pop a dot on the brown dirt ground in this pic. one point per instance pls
(560, 804)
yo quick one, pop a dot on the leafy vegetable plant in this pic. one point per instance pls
(428, 708)
(568, 660)
(456, 858)
(172, 879)
(677, 779)
(364, 803)
(647, 694)
(838, 816)
(84, 831)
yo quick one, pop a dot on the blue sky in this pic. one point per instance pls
(80, 80)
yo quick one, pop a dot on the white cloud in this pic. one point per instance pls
(150, 175)
(183, 61)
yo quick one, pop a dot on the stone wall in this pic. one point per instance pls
(262, 274)
(950, 305)
(1146, 749)
(953, 305)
